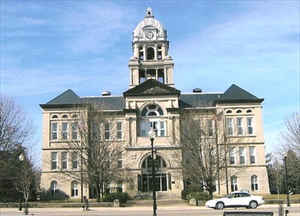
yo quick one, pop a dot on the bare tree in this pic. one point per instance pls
(98, 148)
(15, 127)
(291, 134)
(204, 159)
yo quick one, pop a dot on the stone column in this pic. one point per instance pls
(144, 50)
(155, 52)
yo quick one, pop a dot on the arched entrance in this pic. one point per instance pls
(162, 178)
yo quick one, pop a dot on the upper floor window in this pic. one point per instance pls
(141, 53)
(151, 118)
(119, 130)
(150, 53)
(210, 129)
(64, 130)
(65, 116)
(54, 130)
(229, 126)
(107, 131)
(239, 124)
(74, 130)
(74, 160)
(242, 155)
(254, 184)
(53, 160)
(252, 154)
(249, 111)
(250, 125)
(54, 117)
(229, 111)
(232, 155)
(64, 160)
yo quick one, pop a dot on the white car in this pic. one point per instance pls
(236, 199)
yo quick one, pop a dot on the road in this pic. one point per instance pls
(141, 211)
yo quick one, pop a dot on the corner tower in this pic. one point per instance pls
(150, 58)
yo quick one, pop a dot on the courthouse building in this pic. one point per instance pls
(152, 101)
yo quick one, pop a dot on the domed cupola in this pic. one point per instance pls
(149, 29)
(150, 58)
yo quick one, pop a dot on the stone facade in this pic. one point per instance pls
(152, 102)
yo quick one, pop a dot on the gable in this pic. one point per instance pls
(151, 87)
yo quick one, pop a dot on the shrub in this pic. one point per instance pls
(121, 196)
(190, 189)
(198, 196)
(47, 195)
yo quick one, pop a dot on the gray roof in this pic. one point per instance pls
(233, 94)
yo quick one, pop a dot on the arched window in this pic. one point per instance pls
(229, 111)
(65, 116)
(249, 111)
(54, 116)
(53, 187)
(234, 185)
(151, 117)
(74, 189)
(254, 184)
(159, 163)
(239, 111)
(150, 53)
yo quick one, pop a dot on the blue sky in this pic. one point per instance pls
(48, 47)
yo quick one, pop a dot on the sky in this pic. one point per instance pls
(48, 47)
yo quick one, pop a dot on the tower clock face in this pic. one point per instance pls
(149, 34)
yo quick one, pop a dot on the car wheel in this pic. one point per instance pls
(253, 204)
(220, 205)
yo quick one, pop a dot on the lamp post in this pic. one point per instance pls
(22, 159)
(286, 182)
(152, 136)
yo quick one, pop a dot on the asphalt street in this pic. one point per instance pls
(141, 211)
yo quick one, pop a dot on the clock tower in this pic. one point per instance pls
(150, 58)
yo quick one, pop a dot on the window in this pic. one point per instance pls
(74, 189)
(242, 155)
(254, 184)
(239, 124)
(239, 111)
(64, 130)
(141, 53)
(234, 185)
(65, 116)
(252, 154)
(232, 156)
(64, 160)
(107, 131)
(151, 118)
(229, 111)
(249, 125)
(74, 130)
(119, 130)
(53, 160)
(142, 75)
(53, 187)
(54, 131)
(229, 126)
(54, 116)
(96, 132)
(150, 53)
(249, 111)
(210, 129)
(120, 161)
(74, 160)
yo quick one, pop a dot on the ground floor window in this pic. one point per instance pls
(162, 182)
(74, 189)
(254, 184)
(234, 185)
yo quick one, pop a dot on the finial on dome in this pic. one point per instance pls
(149, 12)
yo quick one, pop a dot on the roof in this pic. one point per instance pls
(151, 87)
(198, 100)
(236, 94)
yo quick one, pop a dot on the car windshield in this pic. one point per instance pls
(229, 196)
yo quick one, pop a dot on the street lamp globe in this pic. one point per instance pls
(21, 157)
(152, 134)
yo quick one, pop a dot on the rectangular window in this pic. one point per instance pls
(250, 125)
(252, 154)
(107, 131)
(162, 128)
(64, 160)
(119, 130)
(74, 130)
(64, 130)
(74, 160)
(154, 126)
(239, 124)
(229, 126)
(242, 155)
(232, 156)
(53, 160)
(120, 161)
(210, 129)
(54, 131)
